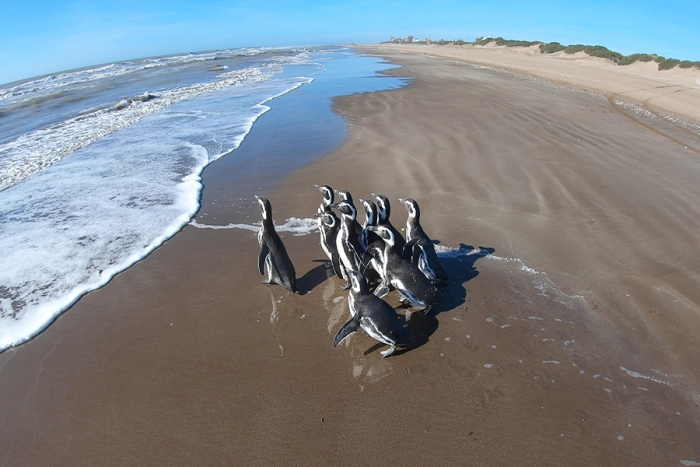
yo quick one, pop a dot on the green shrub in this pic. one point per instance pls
(689, 64)
(551, 47)
(659, 59)
(572, 49)
(630, 59)
(668, 63)
(484, 40)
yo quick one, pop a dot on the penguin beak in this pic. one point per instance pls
(401, 200)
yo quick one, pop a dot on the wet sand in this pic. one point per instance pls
(572, 343)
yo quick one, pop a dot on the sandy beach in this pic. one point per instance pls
(569, 332)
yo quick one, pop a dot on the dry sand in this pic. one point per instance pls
(573, 343)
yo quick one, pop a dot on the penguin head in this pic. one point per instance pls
(384, 233)
(326, 218)
(370, 211)
(411, 207)
(359, 283)
(265, 207)
(383, 205)
(346, 209)
(344, 195)
(327, 193)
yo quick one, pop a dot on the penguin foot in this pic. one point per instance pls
(328, 265)
(346, 286)
(388, 352)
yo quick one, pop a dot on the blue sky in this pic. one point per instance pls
(39, 37)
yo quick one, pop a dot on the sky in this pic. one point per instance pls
(39, 37)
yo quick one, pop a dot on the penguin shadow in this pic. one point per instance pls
(314, 277)
(461, 269)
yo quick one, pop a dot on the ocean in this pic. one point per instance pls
(99, 166)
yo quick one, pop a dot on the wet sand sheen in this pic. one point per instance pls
(572, 344)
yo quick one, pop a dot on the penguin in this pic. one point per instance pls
(422, 247)
(375, 316)
(370, 263)
(384, 211)
(273, 254)
(328, 227)
(345, 195)
(403, 275)
(347, 242)
(367, 236)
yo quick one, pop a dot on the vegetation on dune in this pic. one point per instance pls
(554, 47)
(593, 51)
(506, 42)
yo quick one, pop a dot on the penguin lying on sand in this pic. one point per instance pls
(273, 255)
(375, 316)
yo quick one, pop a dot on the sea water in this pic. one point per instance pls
(99, 166)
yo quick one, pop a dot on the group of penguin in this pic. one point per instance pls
(373, 259)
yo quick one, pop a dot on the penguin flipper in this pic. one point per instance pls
(264, 251)
(409, 250)
(381, 290)
(389, 351)
(336, 264)
(351, 327)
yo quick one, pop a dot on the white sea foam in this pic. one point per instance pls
(638, 375)
(295, 225)
(79, 79)
(71, 227)
(40, 149)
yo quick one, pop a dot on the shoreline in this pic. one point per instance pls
(546, 350)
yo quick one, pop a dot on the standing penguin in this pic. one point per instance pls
(345, 195)
(384, 208)
(348, 243)
(328, 226)
(403, 275)
(375, 316)
(422, 248)
(367, 237)
(273, 254)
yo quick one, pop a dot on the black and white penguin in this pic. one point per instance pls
(384, 211)
(422, 247)
(345, 195)
(273, 255)
(348, 244)
(375, 316)
(328, 227)
(368, 237)
(403, 275)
